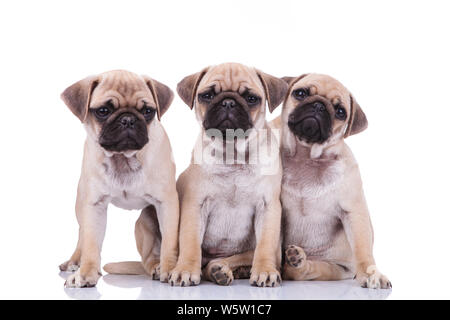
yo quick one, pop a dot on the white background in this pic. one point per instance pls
(393, 56)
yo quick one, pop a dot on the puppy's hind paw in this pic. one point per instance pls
(221, 274)
(155, 272)
(69, 266)
(295, 256)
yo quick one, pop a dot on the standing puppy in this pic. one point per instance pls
(327, 230)
(230, 209)
(127, 162)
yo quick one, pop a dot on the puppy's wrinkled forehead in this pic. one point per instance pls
(231, 77)
(124, 88)
(324, 86)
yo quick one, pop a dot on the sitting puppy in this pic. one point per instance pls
(326, 225)
(230, 211)
(127, 162)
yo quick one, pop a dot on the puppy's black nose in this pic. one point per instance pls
(127, 120)
(319, 107)
(228, 103)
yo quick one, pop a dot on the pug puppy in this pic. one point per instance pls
(326, 225)
(230, 211)
(128, 162)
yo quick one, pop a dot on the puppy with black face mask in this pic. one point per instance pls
(230, 211)
(127, 162)
(326, 225)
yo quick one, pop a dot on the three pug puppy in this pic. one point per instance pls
(230, 211)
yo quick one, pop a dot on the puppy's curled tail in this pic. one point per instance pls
(126, 267)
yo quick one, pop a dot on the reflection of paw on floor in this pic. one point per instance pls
(115, 287)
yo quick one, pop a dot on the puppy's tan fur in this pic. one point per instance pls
(326, 225)
(230, 213)
(143, 179)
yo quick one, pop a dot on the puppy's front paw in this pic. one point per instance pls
(220, 273)
(184, 275)
(69, 266)
(165, 270)
(265, 277)
(295, 256)
(373, 279)
(83, 280)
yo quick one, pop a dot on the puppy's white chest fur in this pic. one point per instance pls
(125, 180)
(310, 203)
(228, 212)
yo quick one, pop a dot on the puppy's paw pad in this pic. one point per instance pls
(221, 274)
(295, 256)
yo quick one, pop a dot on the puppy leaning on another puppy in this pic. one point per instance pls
(128, 162)
(326, 225)
(230, 213)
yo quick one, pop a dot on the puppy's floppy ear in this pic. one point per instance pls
(162, 94)
(78, 96)
(358, 121)
(187, 88)
(275, 89)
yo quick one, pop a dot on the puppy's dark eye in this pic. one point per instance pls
(301, 93)
(103, 112)
(206, 96)
(252, 99)
(148, 112)
(341, 114)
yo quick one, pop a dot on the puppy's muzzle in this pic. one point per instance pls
(311, 121)
(125, 132)
(227, 111)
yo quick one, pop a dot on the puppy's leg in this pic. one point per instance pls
(168, 218)
(73, 263)
(221, 271)
(359, 231)
(148, 241)
(92, 219)
(267, 258)
(297, 267)
(188, 269)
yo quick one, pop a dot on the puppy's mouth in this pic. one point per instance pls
(311, 122)
(227, 114)
(126, 132)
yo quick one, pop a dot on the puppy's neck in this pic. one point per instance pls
(121, 164)
(115, 162)
(315, 151)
